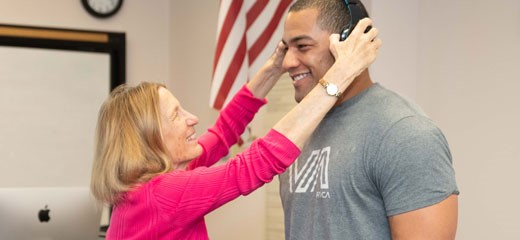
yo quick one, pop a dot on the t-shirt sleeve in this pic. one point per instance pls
(416, 166)
(226, 131)
(192, 194)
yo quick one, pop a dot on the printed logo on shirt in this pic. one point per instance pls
(313, 176)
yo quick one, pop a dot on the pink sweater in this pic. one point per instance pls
(173, 205)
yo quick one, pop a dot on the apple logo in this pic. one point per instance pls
(43, 214)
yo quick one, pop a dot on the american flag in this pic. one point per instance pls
(247, 34)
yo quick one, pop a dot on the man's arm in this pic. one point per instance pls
(437, 222)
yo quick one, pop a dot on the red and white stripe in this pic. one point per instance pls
(247, 34)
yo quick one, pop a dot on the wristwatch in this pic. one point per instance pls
(331, 88)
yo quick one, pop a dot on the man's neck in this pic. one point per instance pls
(360, 84)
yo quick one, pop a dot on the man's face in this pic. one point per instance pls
(308, 56)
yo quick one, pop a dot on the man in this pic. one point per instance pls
(377, 167)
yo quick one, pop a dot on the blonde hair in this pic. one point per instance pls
(129, 147)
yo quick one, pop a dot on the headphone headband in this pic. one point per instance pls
(356, 12)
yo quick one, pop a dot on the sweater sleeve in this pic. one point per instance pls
(230, 124)
(189, 195)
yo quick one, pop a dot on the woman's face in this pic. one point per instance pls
(177, 126)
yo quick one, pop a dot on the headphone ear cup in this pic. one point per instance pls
(356, 12)
(344, 34)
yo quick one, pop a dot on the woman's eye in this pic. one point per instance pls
(173, 117)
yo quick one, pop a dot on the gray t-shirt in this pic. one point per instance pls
(372, 157)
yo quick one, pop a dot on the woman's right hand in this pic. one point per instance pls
(276, 60)
(353, 55)
(268, 75)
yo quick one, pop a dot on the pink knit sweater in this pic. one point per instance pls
(173, 205)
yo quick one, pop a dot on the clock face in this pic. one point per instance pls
(102, 8)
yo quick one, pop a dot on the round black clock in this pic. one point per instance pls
(102, 8)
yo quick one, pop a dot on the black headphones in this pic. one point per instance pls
(356, 12)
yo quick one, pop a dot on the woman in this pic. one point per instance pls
(157, 174)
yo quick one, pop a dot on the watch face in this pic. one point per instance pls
(102, 8)
(332, 89)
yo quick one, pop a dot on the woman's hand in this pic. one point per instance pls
(276, 59)
(353, 55)
(269, 74)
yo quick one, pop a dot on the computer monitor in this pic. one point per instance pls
(60, 213)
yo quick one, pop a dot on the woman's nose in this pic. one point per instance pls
(191, 119)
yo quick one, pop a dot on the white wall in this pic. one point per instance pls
(469, 83)
(396, 67)
(147, 28)
(460, 62)
(193, 34)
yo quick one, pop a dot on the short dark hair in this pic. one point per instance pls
(333, 15)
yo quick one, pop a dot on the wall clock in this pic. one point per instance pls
(102, 8)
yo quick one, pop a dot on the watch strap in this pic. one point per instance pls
(328, 87)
